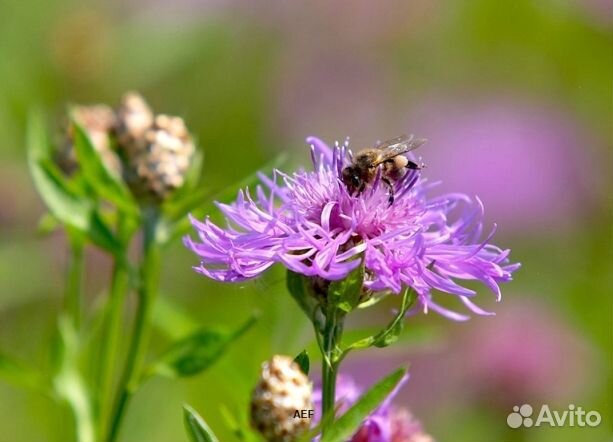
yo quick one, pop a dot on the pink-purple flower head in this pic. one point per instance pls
(312, 224)
(387, 423)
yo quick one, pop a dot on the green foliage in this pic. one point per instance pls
(298, 289)
(65, 200)
(106, 184)
(196, 427)
(346, 425)
(197, 352)
(303, 362)
(392, 331)
(345, 293)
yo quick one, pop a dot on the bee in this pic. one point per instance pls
(389, 156)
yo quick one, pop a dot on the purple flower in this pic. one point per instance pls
(314, 226)
(386, 424)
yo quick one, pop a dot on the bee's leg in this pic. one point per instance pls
(390, 186)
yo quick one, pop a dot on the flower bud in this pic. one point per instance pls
(277, 401)
(159, 160)
(98, 121)
(134, 118)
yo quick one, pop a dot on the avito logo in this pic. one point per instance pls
(573, 416)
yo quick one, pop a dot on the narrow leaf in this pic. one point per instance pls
(106, 184)
(303, 362)
(66, 202)
(348, 424)
(197, 352)
(196, 427)
(392, 331)
(63, 203)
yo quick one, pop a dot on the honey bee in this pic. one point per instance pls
(389, 155)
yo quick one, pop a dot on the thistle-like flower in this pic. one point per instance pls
(312, 224)
(388, 423)
(283, 391)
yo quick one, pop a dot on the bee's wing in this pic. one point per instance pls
(398, 146)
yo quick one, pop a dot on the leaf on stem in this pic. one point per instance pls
(196, 427)
(303, 362)
(345, 293)
(66, 201)
(296, 286)
(392, 331)
(106, 184)
(197, 352)
(348, 423)
(53, 187)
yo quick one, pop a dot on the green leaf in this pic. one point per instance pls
(297, 287)
(346, 293)
(100, 234)
(197, 352)
(348, 424)
(54, 189)
(303, 362)
(196, 427)
(391, 336)
(392, 331)
(107, 184)
(66, 202)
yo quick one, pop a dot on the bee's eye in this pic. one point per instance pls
(355, 181)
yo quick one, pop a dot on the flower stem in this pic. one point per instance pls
(74, 280)
(333, 329)
(147, 291)
(112, 328)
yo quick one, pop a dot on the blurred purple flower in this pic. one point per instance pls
(528, 162)
(322, 230)
(527, 355)
(386, 424)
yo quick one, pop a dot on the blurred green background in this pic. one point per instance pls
(515, 99)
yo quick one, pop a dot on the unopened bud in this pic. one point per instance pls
(280, 400)
(159, 160)
(134, 118)
(98, 122)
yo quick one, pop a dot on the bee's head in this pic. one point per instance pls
(351, 178)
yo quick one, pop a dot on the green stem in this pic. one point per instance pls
(113, 328)
(333, 329)
(74, 280)
(140, 339)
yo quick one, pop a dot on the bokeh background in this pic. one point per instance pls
(515, 98)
